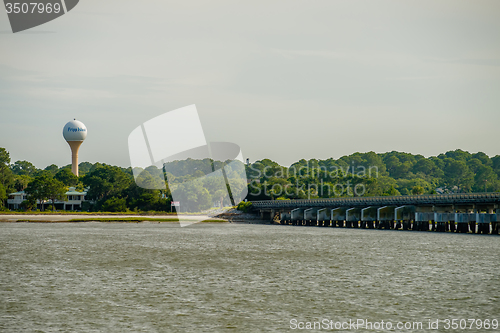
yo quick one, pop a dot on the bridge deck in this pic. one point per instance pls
(419, 200)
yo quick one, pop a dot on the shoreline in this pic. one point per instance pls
(78, 218)
(124, 218)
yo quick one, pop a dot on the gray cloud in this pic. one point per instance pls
(285, 80)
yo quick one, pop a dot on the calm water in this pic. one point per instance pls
(92, 277)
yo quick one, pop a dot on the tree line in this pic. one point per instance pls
(113, 188)
(109, 188)
(372, 174)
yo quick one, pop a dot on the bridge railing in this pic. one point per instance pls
(384, 200)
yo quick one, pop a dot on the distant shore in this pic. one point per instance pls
(147, 213)
(123, 217)
(227, 216)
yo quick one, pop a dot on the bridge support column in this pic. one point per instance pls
(406, 225)
(472, 227)
(494, 228)
(452, 226)
(484, 228)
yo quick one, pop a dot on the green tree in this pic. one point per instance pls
(392, 163)
(44, 187)
(23, 168)
(114, 205)
(56, 190)
(52, 169)
(3, 195)
(457, 173)
(485, 178)
(245, 207)
(28, 204)
(392, 192)
(67, 177)
(496, 164)
(417, 190)
(106, 181)
(4, 157)
(150, 178)
(6, 176)
(38, 189)
(427, 167)
(485, 160)
(192, 196)
(457, 155)
(474, 164)
(220, 196)
(21, 182)
(84, 167)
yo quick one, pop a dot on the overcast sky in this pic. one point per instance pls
(283, 79)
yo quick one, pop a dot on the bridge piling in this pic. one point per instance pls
(494, 229)
(353, 215)
(406, 225)
(445, 209)
(323, 217)
(452, 226)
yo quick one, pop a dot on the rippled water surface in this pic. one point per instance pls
(90, 277)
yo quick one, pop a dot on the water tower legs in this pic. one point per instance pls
(75, 146)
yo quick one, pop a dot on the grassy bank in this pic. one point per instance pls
(123, 219)
(120, 219)
(85, 213)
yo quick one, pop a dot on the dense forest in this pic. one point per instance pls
(112, 188)
(371, 174)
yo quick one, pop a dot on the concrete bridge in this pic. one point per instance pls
(475, 212)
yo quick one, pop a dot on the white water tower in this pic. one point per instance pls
(74, 133)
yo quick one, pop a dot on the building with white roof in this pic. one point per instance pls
(74, 200)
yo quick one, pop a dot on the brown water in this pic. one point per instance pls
(96, 277)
